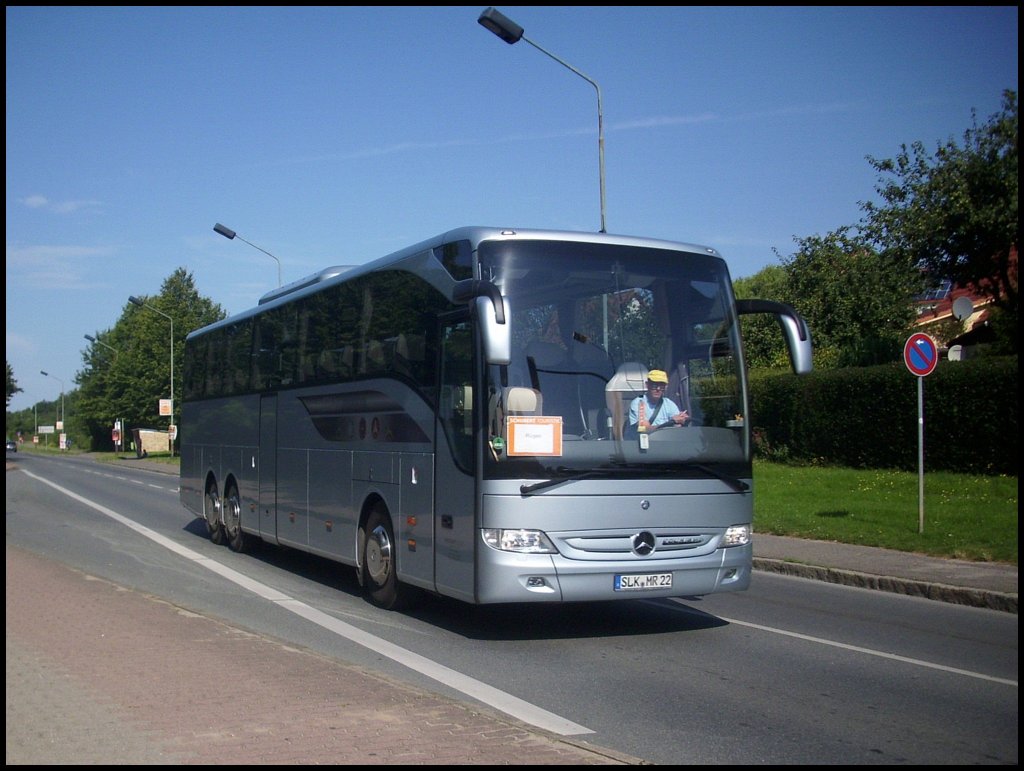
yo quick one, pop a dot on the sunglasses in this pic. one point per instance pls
(657, 386)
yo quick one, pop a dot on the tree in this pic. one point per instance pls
(128, 372)
(858, 302)
(955, 214)
(763, 342)
(12, 384)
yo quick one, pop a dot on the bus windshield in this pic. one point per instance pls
(591, 324)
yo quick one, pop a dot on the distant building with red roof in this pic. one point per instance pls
(938, 314)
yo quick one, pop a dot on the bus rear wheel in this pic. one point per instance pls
(237, 540)
(213, 523)
(378, 564)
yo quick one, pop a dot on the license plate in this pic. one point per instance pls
(642, 581)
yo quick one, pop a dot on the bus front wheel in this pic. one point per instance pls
(378, 563)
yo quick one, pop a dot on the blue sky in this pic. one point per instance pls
(335, 135)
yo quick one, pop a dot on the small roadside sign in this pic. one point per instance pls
(920, 354)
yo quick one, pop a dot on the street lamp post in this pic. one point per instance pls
(41, 372)
(230, 234)
(92, 339)
(136, 301)
(62, 417)
(117, 421)
(512, 33)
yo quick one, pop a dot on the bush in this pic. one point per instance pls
(867, 417)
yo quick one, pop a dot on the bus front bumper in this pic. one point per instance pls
(510, 577)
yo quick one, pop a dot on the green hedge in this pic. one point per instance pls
(867, 417)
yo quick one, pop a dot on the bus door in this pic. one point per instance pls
(455, 464)
(268, 468)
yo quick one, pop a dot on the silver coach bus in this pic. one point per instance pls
(452, 418)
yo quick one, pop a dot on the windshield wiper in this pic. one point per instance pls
(736, 484)
(529, 489)
(661, 470)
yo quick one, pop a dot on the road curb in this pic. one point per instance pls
(978, 598)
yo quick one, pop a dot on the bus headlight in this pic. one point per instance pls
(521, 541)
(737, 535)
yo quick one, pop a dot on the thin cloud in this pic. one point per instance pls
(20, 343)
(709, 117)
(53, 267)
(664, 120)
(636, 124)
(59, 207)
(43, 253)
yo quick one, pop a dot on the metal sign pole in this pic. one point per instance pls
(920, 454)
(920, 354)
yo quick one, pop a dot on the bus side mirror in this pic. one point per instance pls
(491, 312)
(794, 330)
(495, 336)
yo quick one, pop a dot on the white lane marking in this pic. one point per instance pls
(133, 481)
(857, 648)
(499, 700)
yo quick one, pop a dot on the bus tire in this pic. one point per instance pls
(378, 563)
(213, 523)
(237, 540)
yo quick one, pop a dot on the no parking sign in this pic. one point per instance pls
(920, 354)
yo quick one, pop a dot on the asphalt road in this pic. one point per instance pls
(169, 684)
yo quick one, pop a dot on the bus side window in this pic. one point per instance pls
(410, 355)
(457, 391)
(264, 358)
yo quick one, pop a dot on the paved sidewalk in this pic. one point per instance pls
(979, 584)
(98, 674)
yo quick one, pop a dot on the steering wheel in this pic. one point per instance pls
(668, 424)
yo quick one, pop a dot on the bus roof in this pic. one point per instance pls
(473, 233)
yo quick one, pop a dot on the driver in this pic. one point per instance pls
(654, 410)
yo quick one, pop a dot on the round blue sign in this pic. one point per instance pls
(920, 354)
